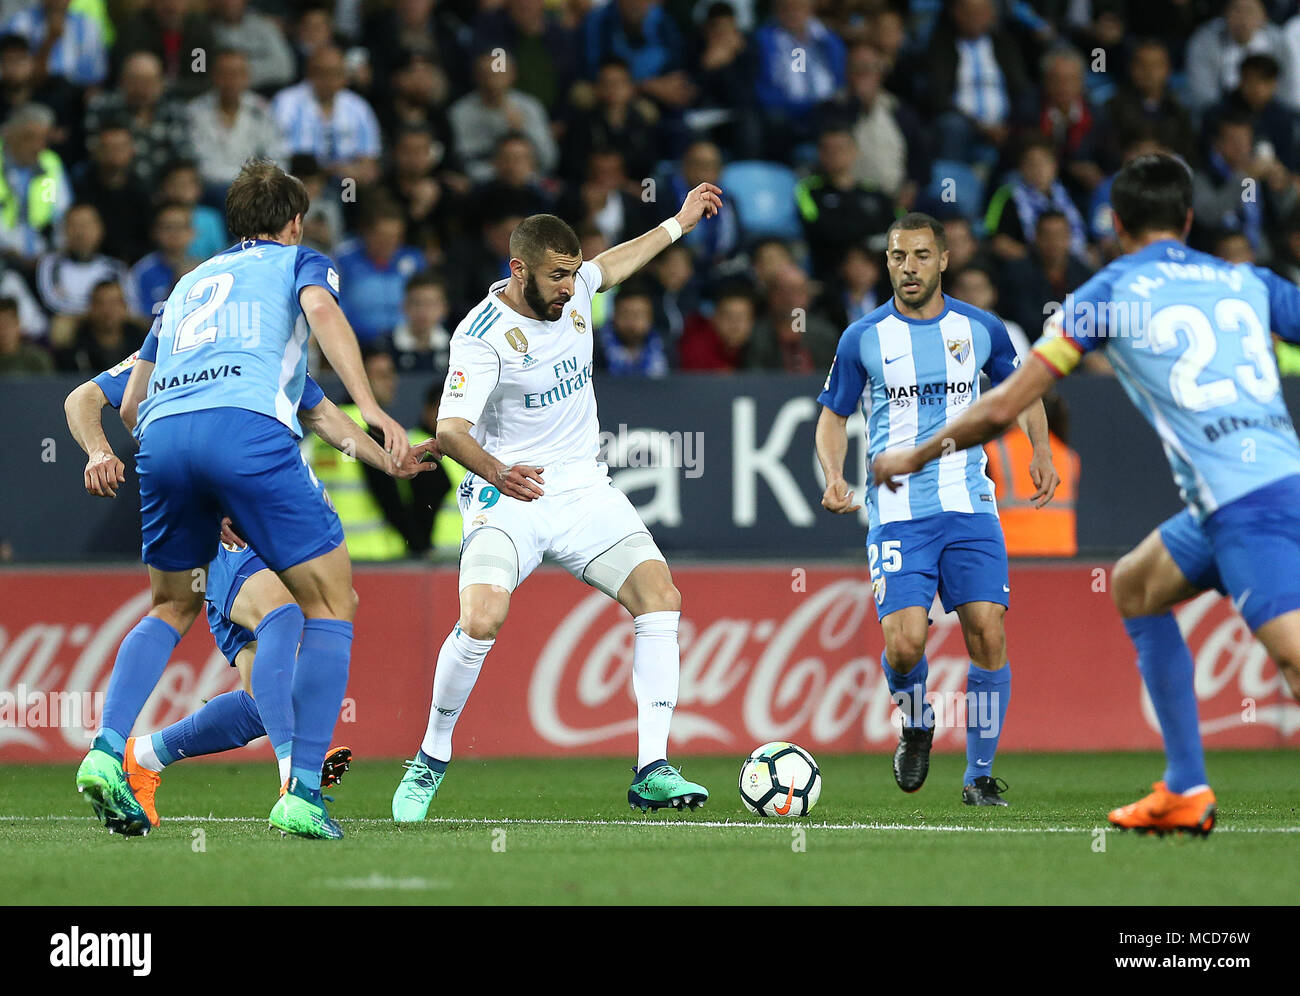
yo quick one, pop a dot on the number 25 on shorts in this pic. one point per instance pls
(888, 554)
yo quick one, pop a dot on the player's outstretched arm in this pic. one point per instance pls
(982, 421)
(329, 422)
(339, 344)
(520, 481)
(621, 261)
(832, 446)
(83, 409)
(1033, 422)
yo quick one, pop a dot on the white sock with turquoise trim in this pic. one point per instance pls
(459, 663)
(656, 668)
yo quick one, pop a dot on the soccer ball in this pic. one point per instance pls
(780, 779)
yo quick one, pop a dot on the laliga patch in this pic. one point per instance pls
(878, 589)
(456, 384)
(332, 278)
(125, 365)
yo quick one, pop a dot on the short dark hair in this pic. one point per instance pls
(305, 164)
(915, 220)
(1152, 194)
(13, 42)
(736, 289)
(636, 287)
(535, 235)
(172, 206)
(424, 279)
(1051, 214)
(263, 199)
(9, 304)
(1260, 64)
(101, 284)
(175, 166)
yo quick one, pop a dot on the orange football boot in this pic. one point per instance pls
(337, 762)
(1164, 812)
(144, 783)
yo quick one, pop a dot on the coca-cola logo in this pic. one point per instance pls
(63, 661)
(813, 674)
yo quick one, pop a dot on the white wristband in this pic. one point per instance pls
(673, 227)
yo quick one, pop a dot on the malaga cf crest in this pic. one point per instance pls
(959, 348)
(579, 323)
(517, 341)
(878, 590)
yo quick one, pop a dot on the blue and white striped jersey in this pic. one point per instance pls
(1189, 337)
(232, 333)
(912, 376)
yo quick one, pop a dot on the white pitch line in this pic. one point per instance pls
(658, 823)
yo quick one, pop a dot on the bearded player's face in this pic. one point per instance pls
(548, 287)
(916, 264)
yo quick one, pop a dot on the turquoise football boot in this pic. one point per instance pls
(416, 791)
(659, 785)
(103, 782)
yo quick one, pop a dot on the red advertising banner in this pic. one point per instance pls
(768, 652)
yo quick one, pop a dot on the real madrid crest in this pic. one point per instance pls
(579, 323)
(517, 340)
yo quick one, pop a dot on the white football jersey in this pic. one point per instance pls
(526, 384)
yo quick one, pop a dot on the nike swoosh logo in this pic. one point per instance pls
(784, 808)
(898, 357)
(1237, 603)
(1006, 588)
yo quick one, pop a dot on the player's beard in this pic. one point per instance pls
(539, 305)
(919, 298)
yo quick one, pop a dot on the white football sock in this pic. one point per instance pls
(286, 766)
(459, 663)
(656, 667)
(145, 755)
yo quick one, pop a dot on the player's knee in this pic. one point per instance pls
(904, 650)
(987, 644)
(179, 613)
(1127, 588)
(664, 597)
(482, 621)
(351, 602)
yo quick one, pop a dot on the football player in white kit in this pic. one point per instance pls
(519, 413)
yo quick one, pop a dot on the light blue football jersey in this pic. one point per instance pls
(1188, 336)
(912, 376)
(232, 333)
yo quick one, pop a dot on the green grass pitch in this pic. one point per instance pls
(561, 832)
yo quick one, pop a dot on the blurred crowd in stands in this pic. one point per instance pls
(426, 130)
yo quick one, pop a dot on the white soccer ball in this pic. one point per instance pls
(780, 779)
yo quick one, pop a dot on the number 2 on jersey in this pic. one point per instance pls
(189, 334)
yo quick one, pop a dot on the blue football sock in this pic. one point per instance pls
(908, 692)
(988, 693)
(320, 680)
(139, 664)
(1168, 672)
(224, 723)
(431, 762)
(273, 669)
